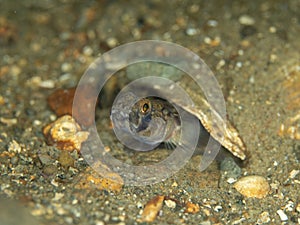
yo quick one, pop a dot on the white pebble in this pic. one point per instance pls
(231, 180)
(14, 146)
(191, 31)
(207, 40)
(294, 173)
(112, 42)
(87, 50)
(246, 20)
(253, 186)
(272, 30)
(282, 215)
(170, 204)
(212, 23)
(66, 67)
(47, 84)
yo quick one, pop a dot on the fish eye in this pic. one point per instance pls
(145, 107)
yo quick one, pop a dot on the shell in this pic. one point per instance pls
(224, 131)
(221, 130)
(253, 186)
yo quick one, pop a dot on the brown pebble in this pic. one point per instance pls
(90, 179)
(191, 208)
(253, 186)
(49, 170)
(65, 159)
(65, 134)
(151, 209)
(61, 102)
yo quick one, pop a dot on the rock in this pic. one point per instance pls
(253, 186)
(89, 179)
(65, 159)
(65, 134)
(152, 208)
(61, 102)
(191, 208)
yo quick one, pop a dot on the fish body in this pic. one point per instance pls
(153, 116)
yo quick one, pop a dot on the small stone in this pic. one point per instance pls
(58, 196)
(298, 208)
(230, 169)
(112, 42)
(45, 159)
(8, 121)
(100, 223)
(231, 180)
(272, 29)
(264, 217)
(246, 20)
(191, 31)
(206, 222)
(87, 51)
(15, 70)
(65, 159)
(253, 186)
(65, 134)
(50, 170)
(170, 203)
(151, 209)
(66, 67)
(110, 181)
(212, 23)
(47, 84)
(294, 173)
(14, 146)
(14, 160)
(282, 215)
(191, 208)
(61, 102)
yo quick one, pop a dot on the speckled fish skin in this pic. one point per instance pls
(148, 109)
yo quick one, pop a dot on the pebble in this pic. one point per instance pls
(14, 160)
(170, 204)
(89, 179)
(87, 51)
(264, 217)
(14, 146)
(45, 159)
(112, 42)
(206, 222)
(151, 209)
(66, 67)
(298, 208)
(8, 121)
(246, 20)
(253, 186)
(61, 102)
(65, 134)
(212, 23)
(191, 31)
(294, 173)
(191, 208)
(231, 170)
(47, 84)
(49, 170)
(65, 159)
(282, 215)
